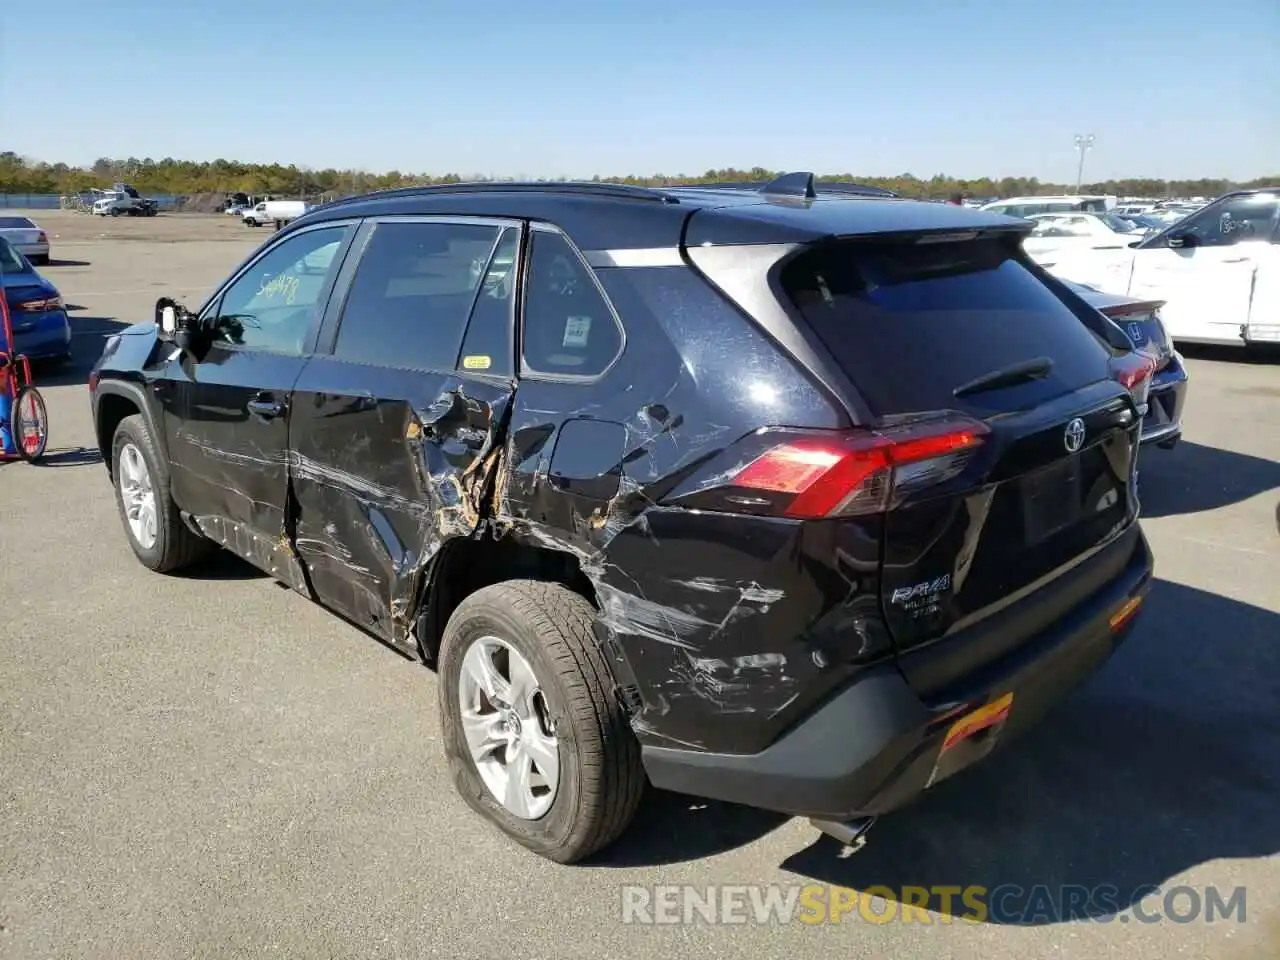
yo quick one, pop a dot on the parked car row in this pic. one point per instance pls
(1217, 271)
(757, 493)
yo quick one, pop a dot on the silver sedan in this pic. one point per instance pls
(25, 235)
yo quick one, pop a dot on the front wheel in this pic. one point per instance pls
(30, 421)
(156, 531)
(537, 741)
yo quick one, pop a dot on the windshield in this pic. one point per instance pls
(21, 223)
(11, 261)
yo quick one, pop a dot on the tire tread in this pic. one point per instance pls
(613, 779)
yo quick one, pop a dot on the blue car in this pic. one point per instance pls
(40, 326)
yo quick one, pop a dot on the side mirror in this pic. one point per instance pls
(168, 318)
(178, 325)
(1180, 240)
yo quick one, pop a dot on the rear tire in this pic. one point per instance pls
(599, 779)
(174, 544)
(40, 260)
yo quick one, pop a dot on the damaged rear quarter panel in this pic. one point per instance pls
(728, 624)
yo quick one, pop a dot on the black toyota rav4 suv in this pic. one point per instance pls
(785, 497)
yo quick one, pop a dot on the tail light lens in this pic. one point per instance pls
(39, 306)
(42, 238)
(861, 473)
(1133, 371)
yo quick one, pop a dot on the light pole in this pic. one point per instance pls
(1083, 142)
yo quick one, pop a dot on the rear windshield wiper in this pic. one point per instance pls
(1006, 376)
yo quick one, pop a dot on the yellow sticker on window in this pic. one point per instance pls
(477, 363)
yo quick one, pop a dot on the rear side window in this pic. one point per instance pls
(412, 294)
(569, 328)
(490, 338)
(911, 322)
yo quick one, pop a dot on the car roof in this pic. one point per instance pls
(794, 208)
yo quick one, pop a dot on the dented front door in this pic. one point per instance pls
(395, 435)
(229, 449)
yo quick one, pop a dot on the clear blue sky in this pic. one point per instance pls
(1171, 88)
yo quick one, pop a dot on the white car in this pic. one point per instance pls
(1030, 206)
(1217, 271)
(1058, 234)
(26, 236)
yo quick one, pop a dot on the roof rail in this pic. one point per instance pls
(802, 185)
(588, 188)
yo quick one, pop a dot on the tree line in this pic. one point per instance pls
(188, 177)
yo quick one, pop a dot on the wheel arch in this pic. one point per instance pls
(113, 401)
(466, 564)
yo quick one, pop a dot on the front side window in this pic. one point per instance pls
(569, 328)
(273, 304)
(1250, 217)
(412, 294)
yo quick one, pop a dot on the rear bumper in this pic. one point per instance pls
(49, 337)
(876, 744)
(32, 249)
(1163, 422)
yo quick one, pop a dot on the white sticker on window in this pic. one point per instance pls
(576, 330)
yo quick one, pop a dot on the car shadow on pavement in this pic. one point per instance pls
(222, 565)
(66, 263)
(1169, 758)
(1265, 353)
(70, 457)
(673, 828)
(1192, 478)
(88, 335)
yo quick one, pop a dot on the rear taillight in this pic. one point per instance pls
(39, 306)
(1133, 372)
(861, 473)
(42, 238)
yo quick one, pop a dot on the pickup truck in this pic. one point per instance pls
(1217, 271)
(123, 199)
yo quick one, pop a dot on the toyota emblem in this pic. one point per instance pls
(1073, 438)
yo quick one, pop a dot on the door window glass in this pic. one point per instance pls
(1250, 217)
(272, 306)
(488, 344)
(569, 328)
(412, 294)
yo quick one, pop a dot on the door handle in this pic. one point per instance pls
(265, 407)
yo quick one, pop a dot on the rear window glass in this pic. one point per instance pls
(911, 322)
(20, 223)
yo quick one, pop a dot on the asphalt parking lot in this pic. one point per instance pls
(207, 765)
